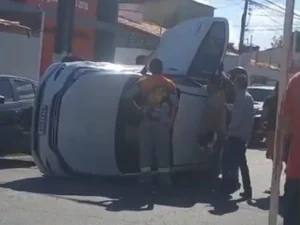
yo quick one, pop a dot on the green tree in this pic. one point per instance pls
(276, 41)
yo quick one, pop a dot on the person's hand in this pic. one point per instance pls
(263, 126)
(144, 71)
(229, 106)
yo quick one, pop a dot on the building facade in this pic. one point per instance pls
(94, 26)
(142, 22)
(165, 13)
(168, 13)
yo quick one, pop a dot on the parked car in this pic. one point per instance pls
(16, 107)
(259, 94)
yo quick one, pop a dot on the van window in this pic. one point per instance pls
(6, 90)
(214, 42)
(208, 57)
(24, 89)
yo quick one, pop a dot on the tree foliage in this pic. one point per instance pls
(276, 41)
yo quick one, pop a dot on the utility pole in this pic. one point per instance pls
(243, 26)
(279, 143)
(64, 29)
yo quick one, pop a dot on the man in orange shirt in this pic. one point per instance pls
(290, 124)
(158, 106)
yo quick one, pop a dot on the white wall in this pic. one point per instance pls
(19, 55)
(263, 71)
(128, 55)
(171, 12)
(274, 57)
(232, 61)
(132, 12)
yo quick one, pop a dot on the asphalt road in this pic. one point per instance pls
(27, 198)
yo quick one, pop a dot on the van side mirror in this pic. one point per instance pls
(2, 99)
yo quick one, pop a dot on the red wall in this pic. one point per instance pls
(84, 38)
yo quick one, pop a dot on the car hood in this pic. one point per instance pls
(184, 49)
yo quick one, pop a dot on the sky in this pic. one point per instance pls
(264, 22)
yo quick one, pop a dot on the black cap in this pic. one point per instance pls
(236, 71)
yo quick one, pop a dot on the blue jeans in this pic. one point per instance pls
(292, 202)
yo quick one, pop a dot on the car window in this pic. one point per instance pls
(24, 89)
(6, 90)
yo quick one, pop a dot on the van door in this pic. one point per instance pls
(25, 93)
(9, 117)
(193, 48)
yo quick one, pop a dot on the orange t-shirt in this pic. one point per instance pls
(147, 83)
(291, 109)
(155, 88)
(159, 98)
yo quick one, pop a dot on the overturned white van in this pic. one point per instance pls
(83, 127)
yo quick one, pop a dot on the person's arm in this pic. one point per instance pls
(237, 115)
(230, 92)
(174, 103)
(287, 108)
(229, 106)
(265, 113)
(132, 94)
(284, 122)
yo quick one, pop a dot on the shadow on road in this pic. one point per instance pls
(15, 163)
(264, 204)
(126, 195)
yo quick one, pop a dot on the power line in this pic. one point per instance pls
(269, 17)
(229, 5)
(280, 7)
(266, 7)
(271, 29)
(296, 16)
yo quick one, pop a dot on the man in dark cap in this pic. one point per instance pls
(236, 71)
(239, 133)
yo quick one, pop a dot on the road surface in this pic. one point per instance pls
(27, 198)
